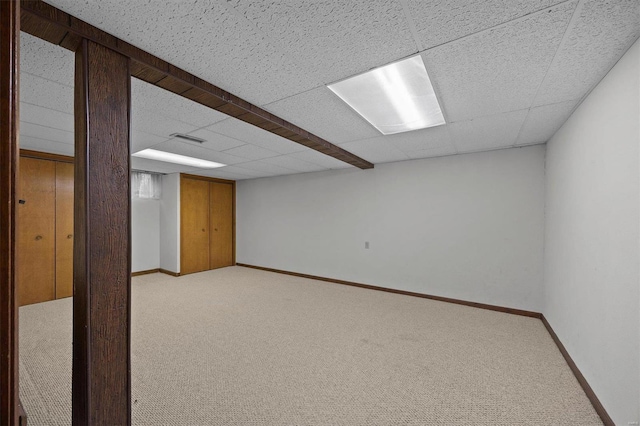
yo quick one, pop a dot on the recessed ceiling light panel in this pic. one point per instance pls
(394, 98)
(168, 157)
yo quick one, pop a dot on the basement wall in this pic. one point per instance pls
(592, 253)
(468, 226)
(170, 223)
(145, 234)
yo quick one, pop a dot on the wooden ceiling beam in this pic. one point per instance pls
(53, 25)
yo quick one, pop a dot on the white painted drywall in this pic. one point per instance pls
(170, 223)
(145, 234)
(592, 234)
(468, 227)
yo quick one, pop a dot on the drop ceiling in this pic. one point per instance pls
(506, 74)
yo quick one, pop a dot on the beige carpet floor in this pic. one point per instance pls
(238, 346)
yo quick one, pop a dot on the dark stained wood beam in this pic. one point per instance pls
(9, 122)
(101, 379)
(49, 23)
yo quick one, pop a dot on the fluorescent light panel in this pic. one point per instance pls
(394, 98)
(168, 157)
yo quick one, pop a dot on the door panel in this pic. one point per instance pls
(64, 230)
(194, 225)
(221, 208)
(36, 231)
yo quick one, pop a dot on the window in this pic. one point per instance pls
(146, 185)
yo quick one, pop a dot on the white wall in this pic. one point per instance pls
(468, 227)
(145, 234)
(592, 235)
(170, 223)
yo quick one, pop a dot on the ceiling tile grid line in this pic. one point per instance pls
(563, 41)
(248, 112)
(412, 25)
(497, 71)
(543, 121)
(496, 26)
(554, 54)
(603, 30)
(579, 102)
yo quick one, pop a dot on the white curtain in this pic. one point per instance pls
(146, 185)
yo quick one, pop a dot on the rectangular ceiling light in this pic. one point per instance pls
(168, 157)
(394, 98)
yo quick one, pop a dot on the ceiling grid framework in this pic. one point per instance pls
(506, 75)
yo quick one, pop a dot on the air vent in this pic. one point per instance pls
(187, 137)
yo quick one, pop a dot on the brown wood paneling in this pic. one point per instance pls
(45, 156)
(194, 225)
(156, 71)
(221, 209)
(9, 130)
(36, 231)
(207, 178)
(64, 230)
(101, 381)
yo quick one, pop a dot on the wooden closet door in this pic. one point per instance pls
(194, 225)
(221, 214)
(36, 231)
(64, 230)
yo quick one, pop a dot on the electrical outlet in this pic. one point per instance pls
(366, 244)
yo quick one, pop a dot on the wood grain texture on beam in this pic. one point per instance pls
(9, 130)
(49, 23)
(101, 379)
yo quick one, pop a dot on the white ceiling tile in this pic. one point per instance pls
(495, 131)
(236, 170)
(424, 139)
(265, 169)
(141, 140)
(47, 133)
(144, 164)
(282, 53)
(147, 121)
(45, 145)
(162, 102)
(334, 38)
(204, 38)
(220, 173)
(315, 157)
(46, 93)
(600, 34)
(47, 60)
(216, 141)
(251, 152)
(322, 113)
(293, 164)
(438, 22)
(376, 150)
(436, 151)
(35, 114)
(198, 151)
(542, 122)
(498, 70)
(248, 133)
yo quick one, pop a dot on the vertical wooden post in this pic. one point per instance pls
(9, 121)
(102, 256)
